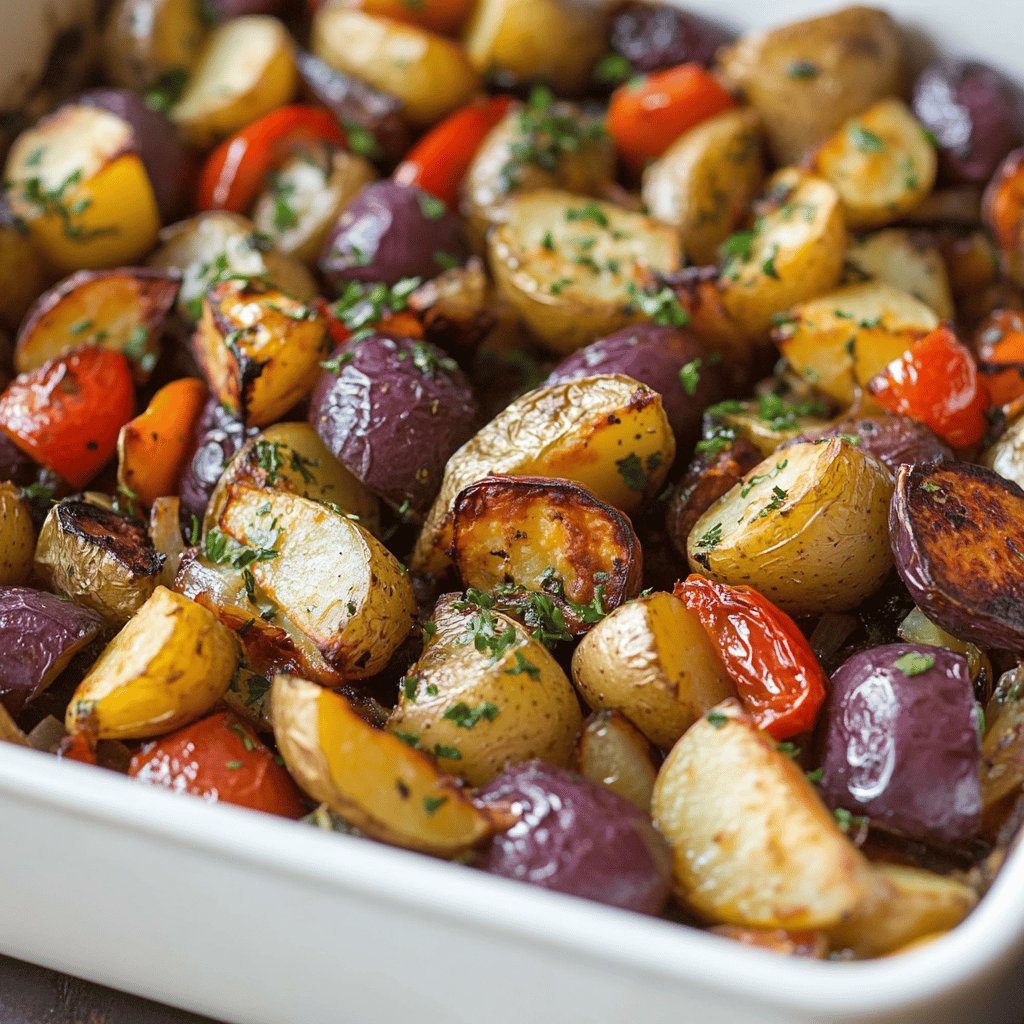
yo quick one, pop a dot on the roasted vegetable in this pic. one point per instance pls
(894, 440)
(166, 537)
(654, 36)
(652, 660)
(17, 537)
(767, 424)
(614, 753)
(1003, 212)
(23, 270)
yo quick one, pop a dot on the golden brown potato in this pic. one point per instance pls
(808, 528)
(17, 537)
(484, 694)
(367, 776)
(807, 77)
(23, 275)
(168, 666)
(572, 268)
(431, 75)
(612, 752)
(653, 661)
(260, 349)
(608, 433)
(752, 843)
(704, 182)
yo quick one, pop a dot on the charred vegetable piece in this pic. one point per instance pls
(17, 537)
(612, 752)
(577, 837)
(39, 635)
(958, 535)
(901, 742)
(546, 536)
(101, 559)
(220, 760)
(369, 777)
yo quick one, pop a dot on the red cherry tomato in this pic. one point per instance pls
(777, 676)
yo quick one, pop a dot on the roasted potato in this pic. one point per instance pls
(612, 752)
(431, 75)
(369, 777)
(245, 69)
(17, 537)
(607, 433)
(484, 694)
(100, 558)
(793, 253)
(550, 536)
(23, 271)
(767, 423)
(705, 181)
(168, 666)
(259, 349)
(652, 660)
(807, 77)
(753, 845)
(881, 163)
(656, 36)
(807, 528)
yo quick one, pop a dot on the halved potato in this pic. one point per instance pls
(259, 349)
(653, 661)
(121, 309)
(549, 536)
(752, 842)
(612, 752)
(245, 69)
(431, 75)
(608, 433)
(17, 537)
(808, 528)
(573, 268)
(839, 341)
(704, 182)
(338, 584)
(367, 776)
(168, 666)
(881, 162)
(794, 252)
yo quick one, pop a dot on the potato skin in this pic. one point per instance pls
(653, 661)
(894, 440)
(17, 537)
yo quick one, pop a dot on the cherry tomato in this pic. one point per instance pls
(220, 759)
(999, 342)
(777, 676)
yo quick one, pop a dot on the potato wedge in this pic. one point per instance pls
(17, 537)
(839, 341)
(245, 69)
(570, 267)
(431, 75)
(367, 776)
(752, 843)
(704, 182)
(614, 753)
(122, 309)
(168, 666)
(653, 661)
(338, 584)
(881, 162)
(808, 528)
(97, 557)
(549, 536)
(793, 253)
(484, 694)
(259, 350)
(608, 433)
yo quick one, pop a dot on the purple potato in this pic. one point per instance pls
(39, 635)
(655, 356)
(957, 534)
(974, 114)
(575, 836)
(393, 414)
(657, 36)
(167, 161)
(894, 440)
(902, 743)
(390, 232)
(218, 435)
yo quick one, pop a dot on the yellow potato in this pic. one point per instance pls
(808, 528)
(653, 661)
(17, 538)
(23, 276)
(367, 776)
(613, 753)
(770, 420)
(478, 710)
(570, 267)
(166, 668)
(608, 433)
(752, 842)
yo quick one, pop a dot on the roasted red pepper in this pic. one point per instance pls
(235, 172)
(777, 676)
(936, 382)
(999, 342)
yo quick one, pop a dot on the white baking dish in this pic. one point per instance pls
(258, 921)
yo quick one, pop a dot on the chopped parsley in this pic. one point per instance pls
(590, 212)
(612, 69)
(689, 376)
(431, 804)
(363, 305)
(864, 139)
(803, 69)
(429, 360)
(631, 469)
(448, 753)
(467, 717)
(56, 202)
(716, 719)
(711, 538)
(522, 666)
(777, 499)
(913, 663)
(361, 140)
(661, 304)
(409, 686)
(815, 776)
(282, 192)
(782, 415)
(166, 89)
(849, 822)
(335, 364)
(410, 739)
(761, 477)
(430, 206)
